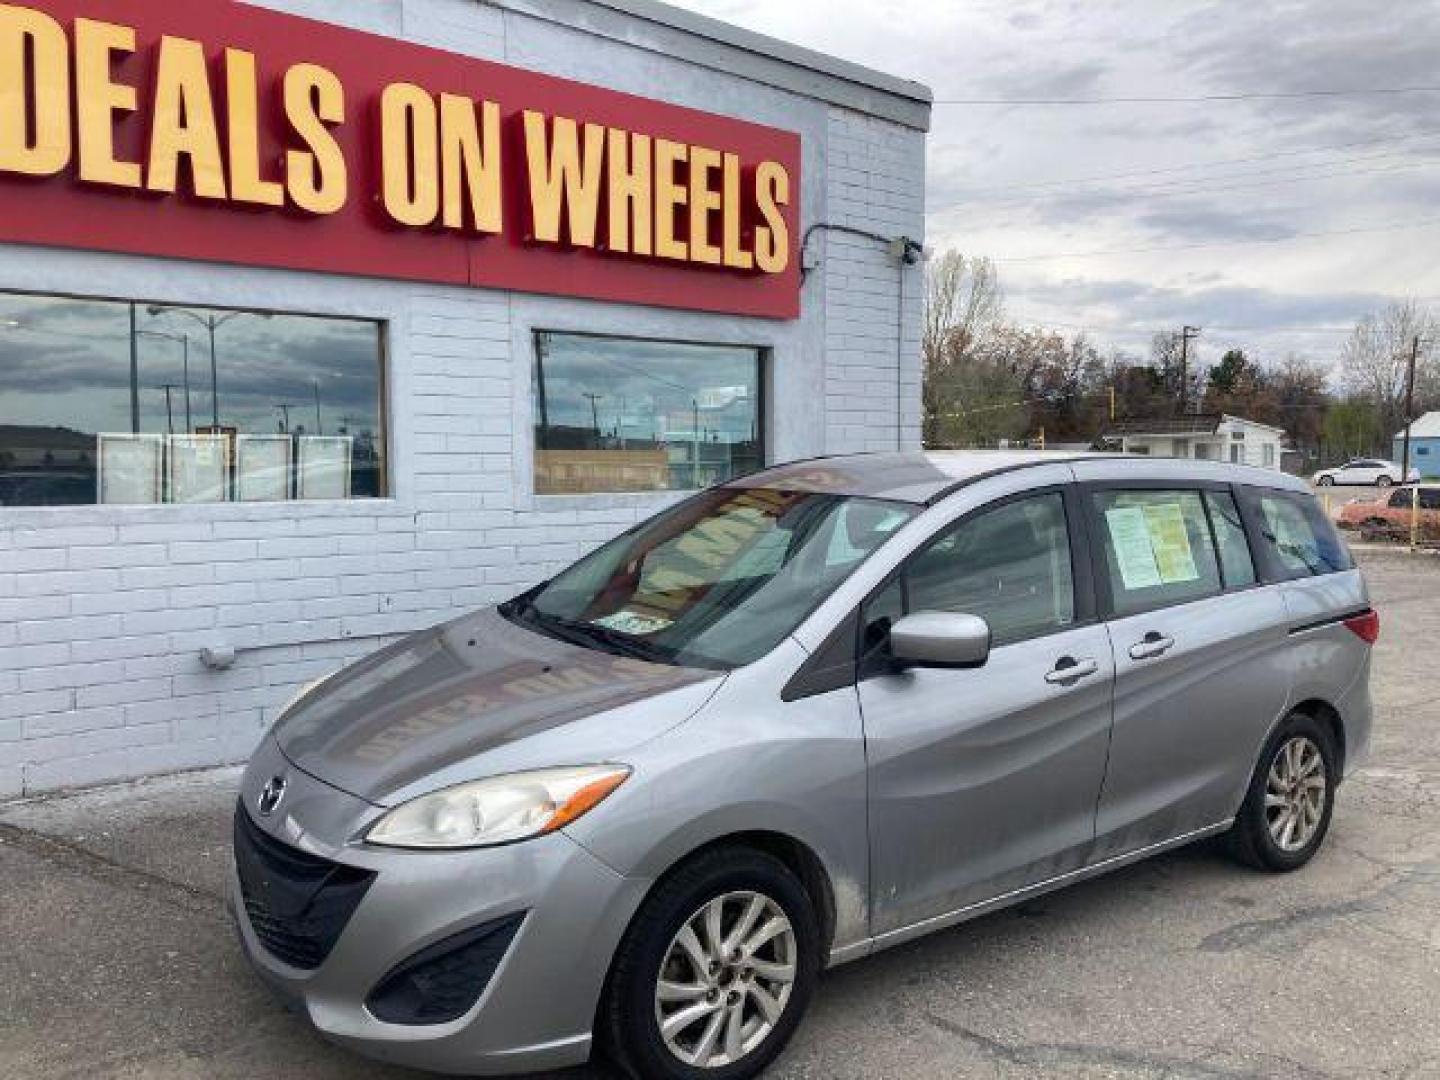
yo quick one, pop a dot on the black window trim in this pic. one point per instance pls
(1100, 569)
(1271, 570)
(823, 671)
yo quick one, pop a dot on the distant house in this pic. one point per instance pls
(1424, 445)
(1205, 437)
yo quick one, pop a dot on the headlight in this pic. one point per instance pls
(497, 810)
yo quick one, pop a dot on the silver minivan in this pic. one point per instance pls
(787, 722)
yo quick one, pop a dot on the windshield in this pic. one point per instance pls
(717, 580)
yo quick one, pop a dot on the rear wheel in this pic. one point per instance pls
(1287, 809)
(1326, 481)
(715, 972)
(1383, 481)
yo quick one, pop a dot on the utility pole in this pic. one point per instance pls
(594, 409)
(1409, 406)
(1186, 334)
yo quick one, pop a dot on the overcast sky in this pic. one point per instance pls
(1019, 183)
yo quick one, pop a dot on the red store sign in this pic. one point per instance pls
(214, 130)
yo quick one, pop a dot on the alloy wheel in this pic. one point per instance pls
(1295, 792)
(726, 979)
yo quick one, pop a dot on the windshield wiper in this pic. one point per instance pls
(586, 635)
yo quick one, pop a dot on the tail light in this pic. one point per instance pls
(1365, 626)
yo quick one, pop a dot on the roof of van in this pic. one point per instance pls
(926, 478)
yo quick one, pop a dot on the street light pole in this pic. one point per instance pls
(211, 323)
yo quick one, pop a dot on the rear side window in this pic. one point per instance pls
(1158, 548)
(1300, 538)
(1236, 564)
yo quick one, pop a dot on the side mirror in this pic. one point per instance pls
(940, 639)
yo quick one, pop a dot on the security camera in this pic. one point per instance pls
(906, 250)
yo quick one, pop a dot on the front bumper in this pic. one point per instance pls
(539, 1006)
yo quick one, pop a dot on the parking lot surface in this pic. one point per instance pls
(117, 960)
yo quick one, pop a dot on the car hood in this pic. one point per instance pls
(477, 697)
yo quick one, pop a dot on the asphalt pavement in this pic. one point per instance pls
(117, 960)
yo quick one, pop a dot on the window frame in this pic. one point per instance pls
(1081, 583)
(1100, 569)
(1267, 564)
(383, 417)
(764, 358)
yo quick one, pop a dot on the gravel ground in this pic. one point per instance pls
(116, 959)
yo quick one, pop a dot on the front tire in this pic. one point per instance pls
(1325, 481)
(1287, 808)
(1383, 481)
(715, 972)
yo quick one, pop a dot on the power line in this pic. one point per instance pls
(1420, 223)
(1275, 95)
(1202, 164)
(1179, 189)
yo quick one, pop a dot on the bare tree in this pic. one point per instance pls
(1373, 360)
(963, 310)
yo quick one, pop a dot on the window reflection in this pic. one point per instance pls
(619, 414)
(128, 402)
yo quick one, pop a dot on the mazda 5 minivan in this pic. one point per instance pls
(787, 722)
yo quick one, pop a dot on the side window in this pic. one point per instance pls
(1158, 548)
(1010, 565)
(1399, 499)
(1236, 565)
(1301, 539)
(1430, 498)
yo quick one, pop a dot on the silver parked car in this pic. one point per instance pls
(785, 723)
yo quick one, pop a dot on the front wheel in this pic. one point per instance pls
(1287, 809)
(1383, 481)
(1326, 481)
(715, 972)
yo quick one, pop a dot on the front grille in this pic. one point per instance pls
(442, 982)
(297, 903)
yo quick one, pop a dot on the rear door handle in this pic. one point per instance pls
(1151, 645)
(1068, 669)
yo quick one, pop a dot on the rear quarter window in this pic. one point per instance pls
(1300, 540)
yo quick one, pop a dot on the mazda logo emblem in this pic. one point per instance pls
(270, 795)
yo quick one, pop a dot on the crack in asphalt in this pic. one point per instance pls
(92, 864)
(1042, 1054)
(1243, 935)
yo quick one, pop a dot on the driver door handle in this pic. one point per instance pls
(1068, 669)
(1151, 645)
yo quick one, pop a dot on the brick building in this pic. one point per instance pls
(241, 445)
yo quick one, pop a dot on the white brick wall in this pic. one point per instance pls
(103, 610)
(874, 182)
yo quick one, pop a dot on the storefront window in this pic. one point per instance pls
(620, 414)
(128, 402)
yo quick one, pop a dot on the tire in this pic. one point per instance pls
(1259, 837)
(628, 1028)
(1325, 481)
(1383, 481)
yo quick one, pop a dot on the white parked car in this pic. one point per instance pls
(1374, 471)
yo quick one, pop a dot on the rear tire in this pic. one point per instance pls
(1325, 481)
(1287, 808)
(1383, 481)
(746, 1008)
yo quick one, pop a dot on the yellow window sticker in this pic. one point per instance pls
(1171, 543)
